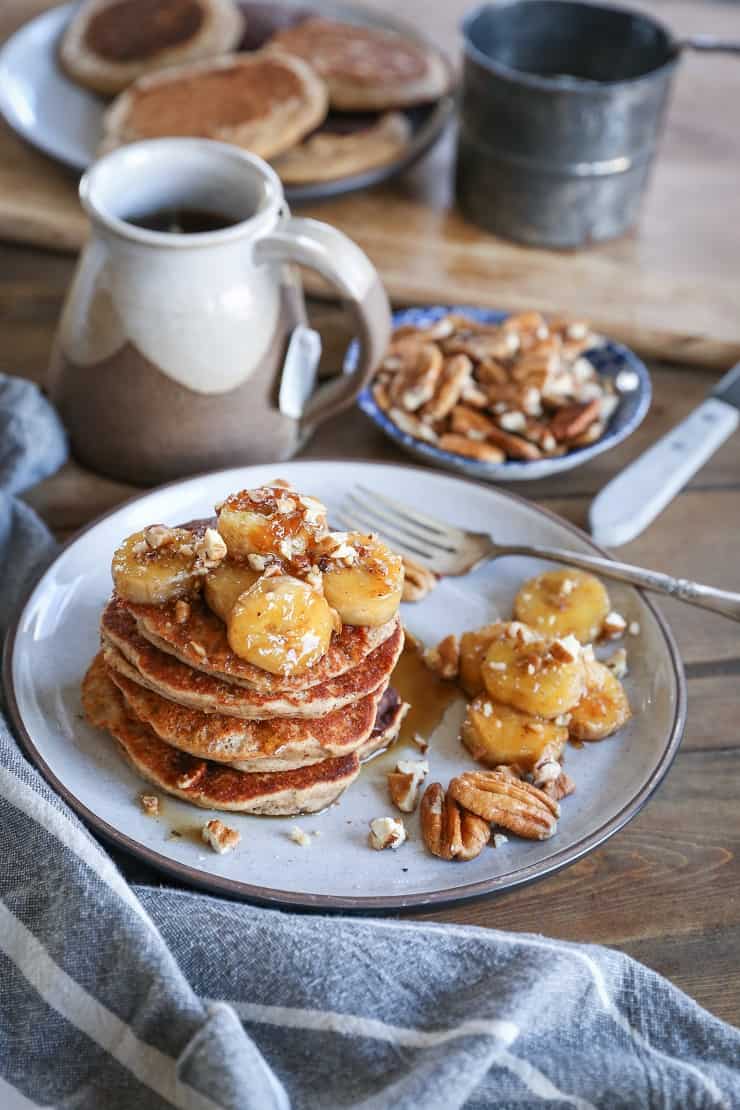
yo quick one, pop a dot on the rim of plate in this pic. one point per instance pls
(511, 469)
(424, 136)
(320, 903)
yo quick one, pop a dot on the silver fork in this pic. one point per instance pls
(453, 551)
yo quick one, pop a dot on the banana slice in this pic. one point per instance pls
(280, 624)
(363, 579)
(155, 566)
(225, 583)
(565, 602)
(542, 677)
(604, 706)
(270, 521)
(473, 648)
(496, 734)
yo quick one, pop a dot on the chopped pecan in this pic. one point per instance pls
(560, 787)
(444, 659)
(450, 831)
(405, 781)
(417, 580)
(222, 838)
(572, 420)
(386, 832)
(471, 448)
(517, 806)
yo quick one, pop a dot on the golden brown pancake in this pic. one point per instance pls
(228, 739)
(204, 632)
(110, 43)
(202, 782)
(125, 648)
(265, 102)
(366, 68)
(328, 153)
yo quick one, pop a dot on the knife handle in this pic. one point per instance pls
(632, 500)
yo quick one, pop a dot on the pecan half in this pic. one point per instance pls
(444, 659)
(573, 420)
(466, 420)
(471, 448)
(516, 806)
(417, 580)
(448, 830)
(413, 387)
(455, 374)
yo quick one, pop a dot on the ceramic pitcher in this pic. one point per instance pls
(171, 349)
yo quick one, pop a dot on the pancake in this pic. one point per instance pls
(226, 739)
(129, 653)
(265, 102)
(366, 68)
(110, 43)
(205, 631)
(330, 153)
(201, 782)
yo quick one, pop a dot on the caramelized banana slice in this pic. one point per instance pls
(496, 734)
(604, 706)
(155, 566)
(473, 648)
(280, 624)
(542, 677)
(270, 521)
(565, 602)
(225, 583)
(363, 579)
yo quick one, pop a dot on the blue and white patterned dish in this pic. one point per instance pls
(609, 359)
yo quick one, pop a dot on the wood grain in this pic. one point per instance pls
(668, 288)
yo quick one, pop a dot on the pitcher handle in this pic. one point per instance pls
(321, 247)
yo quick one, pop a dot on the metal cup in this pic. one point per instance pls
(562, 107)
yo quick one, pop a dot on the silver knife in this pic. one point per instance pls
(633, 499)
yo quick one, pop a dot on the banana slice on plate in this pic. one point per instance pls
(473, 647)
(281, 624)
(363, 579)
(155, 566)
(545, 678)
(270, 520)
(496, 734)
(225, 583)
(604, 707)
(565, 602)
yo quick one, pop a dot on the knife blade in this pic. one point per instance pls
(632, 500)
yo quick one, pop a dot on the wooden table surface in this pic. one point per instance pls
(667, 888)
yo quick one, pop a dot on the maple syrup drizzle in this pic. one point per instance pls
(427, 694)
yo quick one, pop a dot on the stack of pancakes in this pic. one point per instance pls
(201, 723)
(323, 99)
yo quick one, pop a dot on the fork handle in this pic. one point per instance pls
(724, 602)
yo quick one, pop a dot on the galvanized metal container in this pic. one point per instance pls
(562, 107)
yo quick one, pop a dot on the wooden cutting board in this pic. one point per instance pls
(671, 288)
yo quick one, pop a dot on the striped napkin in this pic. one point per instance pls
(117, 996)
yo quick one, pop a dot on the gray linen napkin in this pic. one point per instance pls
(117, 996)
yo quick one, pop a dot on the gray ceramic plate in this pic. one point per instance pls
(65, 121)
(56, 635)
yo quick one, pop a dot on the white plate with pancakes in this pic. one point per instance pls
(66, 121)
(56, 634)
